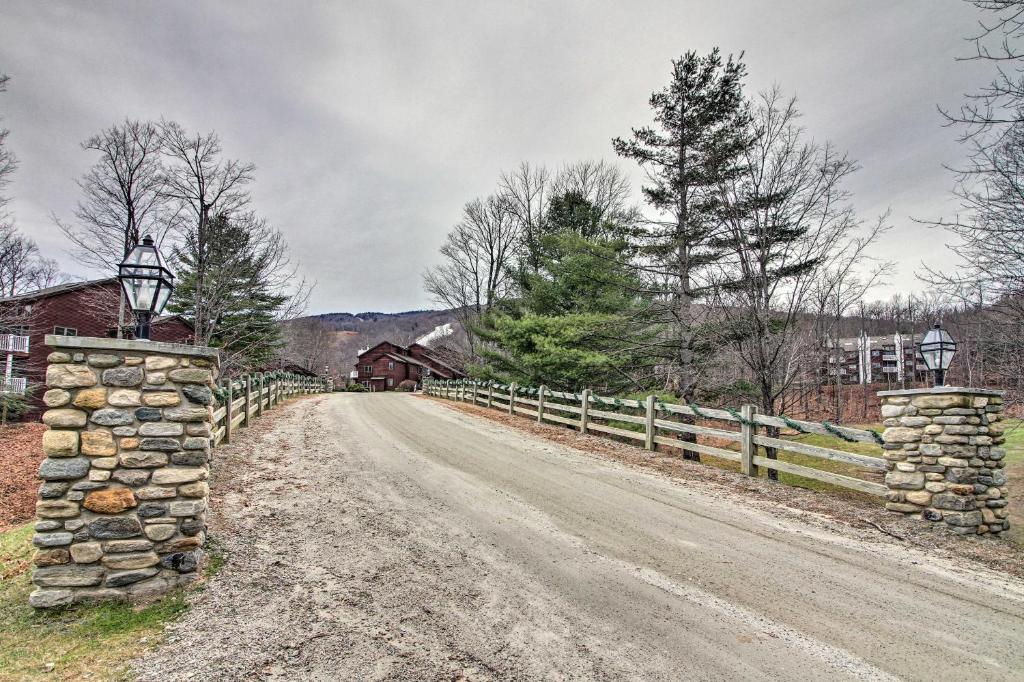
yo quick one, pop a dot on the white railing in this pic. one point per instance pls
(17, 385)
(13, 343)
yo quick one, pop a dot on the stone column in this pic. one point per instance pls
(122, 507)
(943, 456)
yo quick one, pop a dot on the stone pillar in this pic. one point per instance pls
(943, 456)
(122, 507)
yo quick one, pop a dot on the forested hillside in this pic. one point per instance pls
(334, 339)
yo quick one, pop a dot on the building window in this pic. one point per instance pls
(391, 364)
(367, 369)
(65, 331)
(391, 382)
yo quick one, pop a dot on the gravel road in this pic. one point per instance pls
(385, 536)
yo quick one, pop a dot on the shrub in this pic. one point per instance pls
(355, 387)
(407, 385)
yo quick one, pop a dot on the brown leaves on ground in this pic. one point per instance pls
(21, 451)
(871, 519)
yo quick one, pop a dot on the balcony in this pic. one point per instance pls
(13, 343)
(16, 385)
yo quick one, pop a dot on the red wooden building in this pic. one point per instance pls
(385, 366)
(73, 309)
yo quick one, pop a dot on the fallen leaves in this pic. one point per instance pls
(21, 451)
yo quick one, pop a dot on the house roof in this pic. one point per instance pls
(404, 358)
(57, 290)
(435, 359)
(378, 345)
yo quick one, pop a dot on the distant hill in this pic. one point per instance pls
(355, 331)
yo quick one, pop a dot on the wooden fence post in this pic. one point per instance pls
(585, 411)
(490, 394)
(228, 412)
(259, 396)
(248, 400)
(512, 398)
(540, 403)
(649, 424)
(748, 448)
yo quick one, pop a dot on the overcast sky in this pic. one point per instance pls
(372, 123)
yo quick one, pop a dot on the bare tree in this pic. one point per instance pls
(990, 232)
(22, 266)
(603, 185)
(309, 344)
(8, 161)
(123, 198)
(204, 185)
(1000, 104)
(525, 193)
(123, 195)
(791, 222)
(477, 260)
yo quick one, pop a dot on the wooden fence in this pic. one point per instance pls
(660, 421)
(248, 396)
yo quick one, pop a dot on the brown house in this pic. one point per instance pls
(73, 309)
(385, 366)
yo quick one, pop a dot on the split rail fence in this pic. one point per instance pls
(662, 422)
(248, 396)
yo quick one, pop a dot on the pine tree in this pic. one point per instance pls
(240, 288)
(573, 325)
(701, 120)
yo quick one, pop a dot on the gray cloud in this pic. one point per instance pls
(372, 123)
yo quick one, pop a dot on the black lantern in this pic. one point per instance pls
(147, 283)
(937, 350)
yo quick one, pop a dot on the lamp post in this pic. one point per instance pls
(937, 350)
(147, 284)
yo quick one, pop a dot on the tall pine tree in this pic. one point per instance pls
(697, 145)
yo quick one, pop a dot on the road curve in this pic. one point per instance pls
(394, 538)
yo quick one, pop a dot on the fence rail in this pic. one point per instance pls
(248, 396)
(754, 433)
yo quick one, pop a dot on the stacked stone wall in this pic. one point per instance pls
(122, 506)
(944, 458)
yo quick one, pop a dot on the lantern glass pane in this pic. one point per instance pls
(145, 293)
(161, 298)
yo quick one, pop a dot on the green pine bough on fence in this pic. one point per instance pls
(241, 399)
(588, 413)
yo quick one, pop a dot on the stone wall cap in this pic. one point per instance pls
(941, 390)
(130, 345)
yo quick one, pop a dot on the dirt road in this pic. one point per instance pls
(388, 537)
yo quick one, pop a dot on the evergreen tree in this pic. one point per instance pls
(241, 287)
(574, 324)
(701, 119)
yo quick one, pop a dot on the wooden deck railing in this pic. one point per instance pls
(660, 420)
(245, 397)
